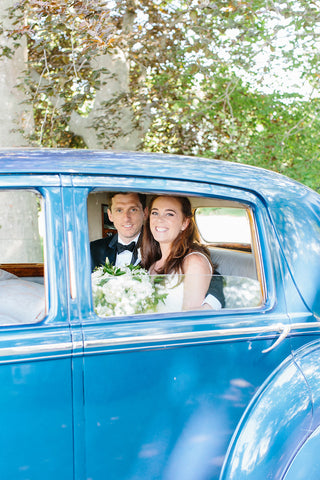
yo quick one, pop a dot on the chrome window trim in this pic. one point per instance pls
(72, 270)
(239, 333)
(34, 352)
(31, 353)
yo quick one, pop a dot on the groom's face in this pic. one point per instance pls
(127, 215)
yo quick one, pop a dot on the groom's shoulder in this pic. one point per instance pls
(102, 242)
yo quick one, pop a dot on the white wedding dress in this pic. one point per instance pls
(174, 286)
(174, 290)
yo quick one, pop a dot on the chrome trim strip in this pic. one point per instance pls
(305, 326)
(29, 350)
(63, 347)
(72, 271)
(167, 337)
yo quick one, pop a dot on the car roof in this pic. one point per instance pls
(143, 164)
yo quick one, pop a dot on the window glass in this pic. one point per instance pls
(123, 289)
(136, 292)
(22, 294)
(223, 225)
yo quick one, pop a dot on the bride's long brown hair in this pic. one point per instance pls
(186, 242)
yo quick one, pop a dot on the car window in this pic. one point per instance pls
(22, 290)
(224, 225)
(227, 233)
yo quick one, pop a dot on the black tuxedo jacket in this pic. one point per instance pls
(102, 249)
(216, 288)
(106, 248)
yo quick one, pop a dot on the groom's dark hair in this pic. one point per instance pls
(142, 197)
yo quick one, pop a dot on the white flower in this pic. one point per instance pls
(125, 291)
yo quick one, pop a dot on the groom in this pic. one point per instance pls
(127, 212)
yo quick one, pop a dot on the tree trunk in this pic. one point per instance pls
(115, 127)
(12, 111)
(116, 84)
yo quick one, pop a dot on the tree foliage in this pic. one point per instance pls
(203, 76)
(62, 38)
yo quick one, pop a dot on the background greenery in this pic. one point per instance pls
(229, 79)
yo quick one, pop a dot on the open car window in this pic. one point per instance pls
(225, 227)
(22, 290)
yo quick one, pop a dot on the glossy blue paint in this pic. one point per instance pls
(170, 396)
(185, 402)
(308, 359)
(36, 419)
(306, 463)
(273, 428)
(284, 417)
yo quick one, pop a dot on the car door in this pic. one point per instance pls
(37, 430)
(163, 393)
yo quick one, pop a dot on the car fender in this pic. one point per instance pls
(306, 463)
(274, 426)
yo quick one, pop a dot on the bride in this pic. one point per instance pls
(170, 246)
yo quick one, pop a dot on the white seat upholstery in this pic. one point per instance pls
(21, 301)
(234, 262)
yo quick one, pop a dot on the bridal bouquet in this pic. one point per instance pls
(125, 291)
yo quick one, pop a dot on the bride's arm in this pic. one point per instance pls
(197, 275)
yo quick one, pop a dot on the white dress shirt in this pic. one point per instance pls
(124, 258)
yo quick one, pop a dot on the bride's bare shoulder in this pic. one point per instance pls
(197, 262)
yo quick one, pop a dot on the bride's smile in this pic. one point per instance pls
(159, 229)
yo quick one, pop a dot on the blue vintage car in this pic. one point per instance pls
(228, 394)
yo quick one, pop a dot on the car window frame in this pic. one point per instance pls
(150, 185)
(48, 186)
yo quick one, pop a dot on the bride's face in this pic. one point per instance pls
(167, 219)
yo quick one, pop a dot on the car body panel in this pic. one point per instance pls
(277, 420)
(36, 415)
(36, 368)
(306, 463)
(295, 430)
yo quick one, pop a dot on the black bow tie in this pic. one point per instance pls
(122, 248)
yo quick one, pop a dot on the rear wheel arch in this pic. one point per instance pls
(273, 428)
